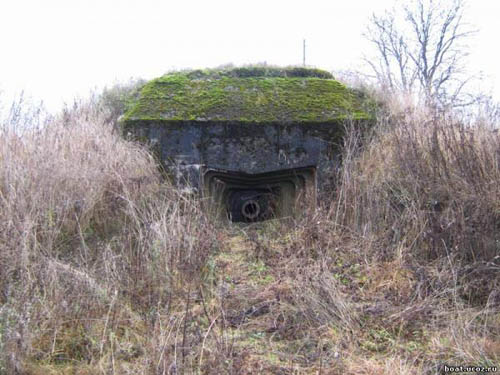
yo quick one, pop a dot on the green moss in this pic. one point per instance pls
(248, 94)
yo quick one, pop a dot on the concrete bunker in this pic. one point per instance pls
(255, 142)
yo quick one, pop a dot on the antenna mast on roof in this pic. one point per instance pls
(304, 53)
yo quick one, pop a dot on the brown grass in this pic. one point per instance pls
(87, 232)
(107, 268)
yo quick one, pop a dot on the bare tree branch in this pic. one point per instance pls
(424, 54)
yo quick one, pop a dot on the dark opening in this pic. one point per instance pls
(250, 209)
(251, 198)
(251, 205)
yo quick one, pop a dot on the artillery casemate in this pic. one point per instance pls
(257, 142)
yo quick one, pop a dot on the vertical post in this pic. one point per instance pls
(304, 53)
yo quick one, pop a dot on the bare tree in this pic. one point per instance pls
(422, 50)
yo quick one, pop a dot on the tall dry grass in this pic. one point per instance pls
(401, 267)
(422, 193)
(428, 183)
(107, 268)
(87, 230)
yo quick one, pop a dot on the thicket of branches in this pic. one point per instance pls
(422, 50)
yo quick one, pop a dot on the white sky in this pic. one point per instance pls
(57, 49)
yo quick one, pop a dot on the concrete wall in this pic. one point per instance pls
(239, 147)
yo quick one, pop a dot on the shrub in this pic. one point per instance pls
(118, 98)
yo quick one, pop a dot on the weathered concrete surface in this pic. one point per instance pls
(245, 148)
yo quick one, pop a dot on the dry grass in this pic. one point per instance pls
(427, 186)
(93, 246)
(108, 269)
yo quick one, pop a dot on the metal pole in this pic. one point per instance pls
(304, 54)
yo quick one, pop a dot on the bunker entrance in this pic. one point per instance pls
(241, 197)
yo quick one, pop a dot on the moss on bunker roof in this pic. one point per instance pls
(247, 94)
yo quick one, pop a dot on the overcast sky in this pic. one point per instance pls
(57, 49)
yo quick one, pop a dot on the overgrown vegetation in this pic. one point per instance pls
(250, 94)
(105, 268)
(120, 98)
